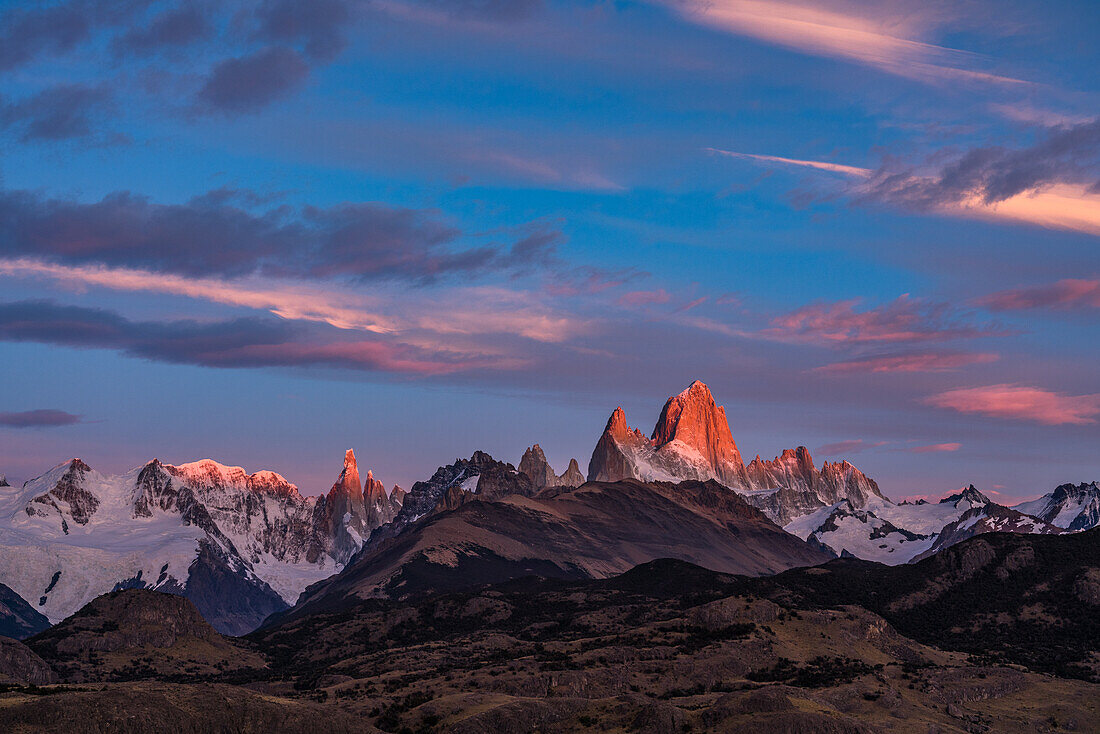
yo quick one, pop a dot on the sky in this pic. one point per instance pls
(265, 232)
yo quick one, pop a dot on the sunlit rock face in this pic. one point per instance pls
(692, 440)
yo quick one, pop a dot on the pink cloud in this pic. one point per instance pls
(924, 362)
(936, 448)
(1065, 294)
(635, 299)
(688, 306)
(875, 35)
(1019, 402)
(839, 324)
(853, 446)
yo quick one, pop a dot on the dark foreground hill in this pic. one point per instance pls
(666, 647)
(1027, 599)
(592, 531)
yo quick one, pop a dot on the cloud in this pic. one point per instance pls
(57, 113)
(42, 418)
(215, 235)
(634, 299)
(916, 362)
(819, 165)
(1068, 294)
(842, 448)
(904, 320)
(175, 27)
(988, 183)
(242, 342)
(30, 31)
(467, 311)
(874, 36)
(439, 12)
(318, 24)
(1018, 402)
(249, 83)
(935, 448)
(1066, 163)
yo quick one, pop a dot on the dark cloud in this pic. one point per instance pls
(49, 29)
(58, 113)
(318, 24)
(242, 342)
(219, 234)
(42, 418)
(250, 83)
(1067, 154)
(173, 28)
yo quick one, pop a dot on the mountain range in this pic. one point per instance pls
(241, 546)
(246, 546)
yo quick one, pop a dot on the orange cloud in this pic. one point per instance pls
(1018, 402)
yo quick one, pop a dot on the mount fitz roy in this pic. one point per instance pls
(692, 440)
(240, 546)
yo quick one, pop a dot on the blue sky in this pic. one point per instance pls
(264, 232)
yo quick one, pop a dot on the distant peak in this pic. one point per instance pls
(349, 459)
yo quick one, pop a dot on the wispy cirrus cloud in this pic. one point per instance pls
(936, 448)
(906, 320)
(844, 448)
(634, 299)
(878, 36)
(1020, 402)
(1067, 294)
(819, 165)
(915, 362)
(41, 418)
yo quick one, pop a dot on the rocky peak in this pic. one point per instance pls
(1065, 492)
(693, 418)
(397, 495)
(572, 476)
(616, 424)
(70, 489)
(348, 483)
(970, 494)
(541, 474)
(4, 481)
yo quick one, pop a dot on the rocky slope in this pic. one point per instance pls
(240, 546)
(692, 440)
(592, 531)
(670, 647)
(1069, 506)
(138, 633)
(18, 619)
(481, 477)
(20, 664)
